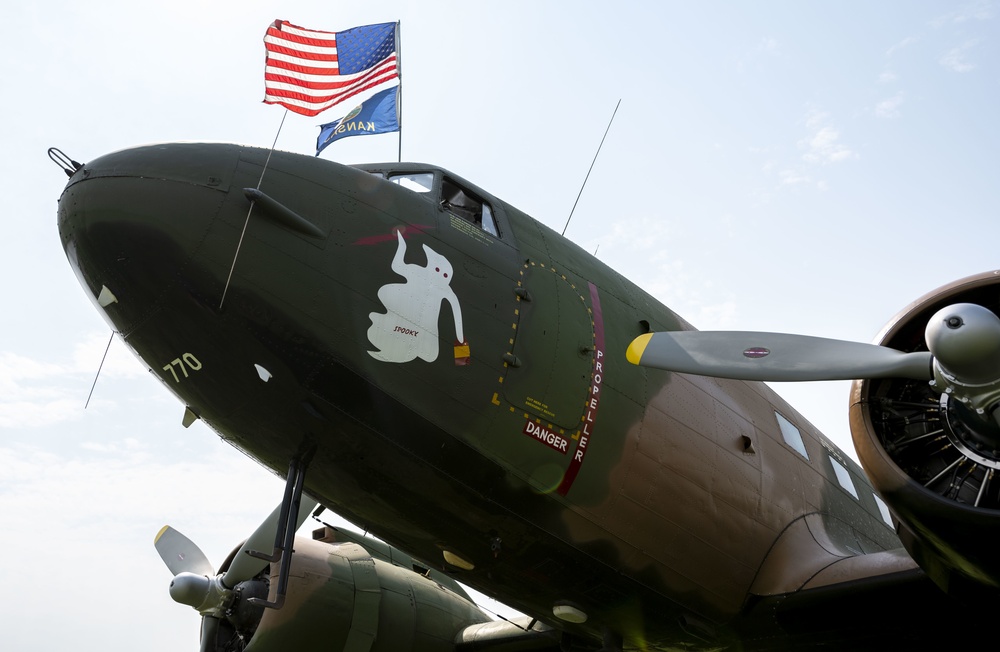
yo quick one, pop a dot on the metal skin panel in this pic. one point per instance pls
(340, 598)
(554, 335)
(654, 522)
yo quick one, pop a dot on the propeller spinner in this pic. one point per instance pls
(195, 582)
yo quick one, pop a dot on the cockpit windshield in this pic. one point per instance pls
(450, 195)
(415, 181)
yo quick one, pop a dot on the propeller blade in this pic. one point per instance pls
(744, 355)
(244, 566)
(209, 633)
(180, 554)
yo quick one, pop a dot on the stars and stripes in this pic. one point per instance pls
(308, 71)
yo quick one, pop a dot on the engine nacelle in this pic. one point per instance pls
(341, 598)
(933, 459)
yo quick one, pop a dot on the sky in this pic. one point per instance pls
(782, 166)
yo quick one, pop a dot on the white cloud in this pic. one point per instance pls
(129, 444)
(978, 10)
(889, 108)
(29, 395)
(887, 77)
(957, 60)
(39, 413)
(823, 144)
(816, 119)
(718, 315)
(654, 253)
(36, 393)
(768, 45)
(109, 505)
(15, 367)
(792, 177)
(640, 233)
(906, 42)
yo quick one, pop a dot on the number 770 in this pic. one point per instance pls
(184, 363)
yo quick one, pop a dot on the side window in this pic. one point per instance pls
(464, 204)
(843, 477)
(489, 224)
(790, 433)
(883, 510)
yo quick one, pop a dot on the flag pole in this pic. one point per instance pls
(399, 89)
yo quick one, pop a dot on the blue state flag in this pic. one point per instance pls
(376, 115)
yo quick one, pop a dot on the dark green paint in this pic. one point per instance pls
(664, 533)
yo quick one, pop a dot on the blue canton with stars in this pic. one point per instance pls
(362, 47)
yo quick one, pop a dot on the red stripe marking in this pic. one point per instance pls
(590, 416)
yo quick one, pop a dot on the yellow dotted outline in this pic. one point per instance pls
(517, 313)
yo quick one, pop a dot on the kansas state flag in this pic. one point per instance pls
(376, 115)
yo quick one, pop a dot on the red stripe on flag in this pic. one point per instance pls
(316, 41)
(332, 73)
(326, 100)
(335, 81)
(305, 70)
(310, 89)
(301, 54)
(315, 107)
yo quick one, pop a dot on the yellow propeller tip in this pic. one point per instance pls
(160, 534)
(637, 347)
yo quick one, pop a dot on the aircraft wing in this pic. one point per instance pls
(859, 609)
(519, 634)
(903, 610)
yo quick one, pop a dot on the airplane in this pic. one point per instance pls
(502, 409)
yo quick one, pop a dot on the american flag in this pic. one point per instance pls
(308, 71)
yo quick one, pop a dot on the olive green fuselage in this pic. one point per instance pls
(489, 414)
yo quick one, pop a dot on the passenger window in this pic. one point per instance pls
(790, 433)
(883, 510)
(843, 477)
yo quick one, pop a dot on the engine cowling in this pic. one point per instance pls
(340, 597)
(933, 458)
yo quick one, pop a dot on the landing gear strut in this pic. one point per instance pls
(284, 536)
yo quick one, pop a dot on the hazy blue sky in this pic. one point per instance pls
(801, 166)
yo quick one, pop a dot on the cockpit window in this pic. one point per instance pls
(464, 204)
(415, 181)
(468, 211)
(489, 224)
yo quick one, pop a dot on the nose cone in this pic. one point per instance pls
(131, 221)
(190, 589)
(965, 339)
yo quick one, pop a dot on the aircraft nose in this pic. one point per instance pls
(131, 221)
